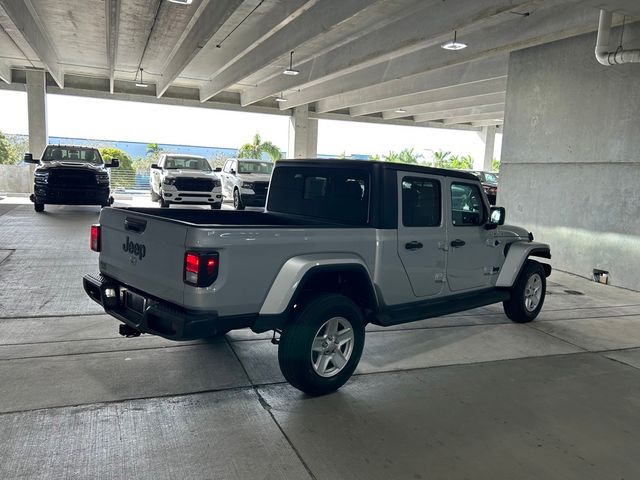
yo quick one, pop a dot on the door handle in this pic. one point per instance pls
(458, 243)
(413, 245)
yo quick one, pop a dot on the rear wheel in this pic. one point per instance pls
(528, 293)
(320, 349)
(38, 207)
(237, 200)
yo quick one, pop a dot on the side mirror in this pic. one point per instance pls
(217, 169)
(154, 165)
(232, 171)
(496, 217)
(115, 163)
(28, 158)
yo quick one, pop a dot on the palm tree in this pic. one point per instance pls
(256, 148)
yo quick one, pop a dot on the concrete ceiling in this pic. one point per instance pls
(367, 60)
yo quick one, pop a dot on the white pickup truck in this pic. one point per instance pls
(185, 179)
(341, 244)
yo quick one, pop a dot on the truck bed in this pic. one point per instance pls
(230, 218)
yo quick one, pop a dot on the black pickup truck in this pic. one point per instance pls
(70, 175)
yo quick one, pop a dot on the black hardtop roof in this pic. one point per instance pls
(405, 167)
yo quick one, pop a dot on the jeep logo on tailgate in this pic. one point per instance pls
(137, 249)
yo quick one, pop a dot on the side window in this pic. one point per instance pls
(227, 166)
(421, 202)
(161, 161)
(466, 205)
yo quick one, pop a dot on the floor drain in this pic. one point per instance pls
(573, 292)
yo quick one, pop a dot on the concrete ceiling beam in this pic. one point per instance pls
(487, 123)
(431, 25)
(313, 22)
(5, 72)
(498, 109)
(24, 16)
(456, 103)
(474, 118)
(554, 20)
(112, 16)
(209, 18)
(417, 89)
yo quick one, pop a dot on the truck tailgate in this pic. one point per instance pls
(144, 252)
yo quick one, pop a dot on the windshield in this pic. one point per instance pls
(255, 167)
(72, 154)
(490, 177)
(187, 163)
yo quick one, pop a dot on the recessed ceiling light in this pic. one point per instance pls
(401, 110)
(182, 2)
(291, 71)
(455, 44)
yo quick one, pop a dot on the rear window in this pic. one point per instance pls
(335, 194)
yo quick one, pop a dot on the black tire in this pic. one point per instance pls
(518, 308)
(154, 196)
(216, 206)
(163, 202)
(295, 354)
(237, 200)
(38, 207)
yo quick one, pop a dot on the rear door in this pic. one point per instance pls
(422, 233)
(144, 252)
(470, 264)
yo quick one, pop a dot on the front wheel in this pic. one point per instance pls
(237, 200)
(320, 349)
(216, 206)
(38, 207)
(528, 293)
(163, 202)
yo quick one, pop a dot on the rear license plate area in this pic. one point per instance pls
(134, 302)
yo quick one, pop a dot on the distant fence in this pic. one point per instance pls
(15, 179)
(129, 180)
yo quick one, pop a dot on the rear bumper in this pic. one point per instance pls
(158, 317)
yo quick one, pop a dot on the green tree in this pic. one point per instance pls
(142, 165)
(123, 176)
(408, 155)
(375, 158)
(6, 150)
(441, 159)
(257, 147)
(495, 165)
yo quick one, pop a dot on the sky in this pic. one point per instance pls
(117, 120)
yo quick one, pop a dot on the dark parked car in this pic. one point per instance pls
(70, 175)
(489, 181)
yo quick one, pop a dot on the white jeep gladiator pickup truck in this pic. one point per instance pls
(185, 179)
(340, 244)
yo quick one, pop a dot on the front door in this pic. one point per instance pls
(422, 232)
(472, 253)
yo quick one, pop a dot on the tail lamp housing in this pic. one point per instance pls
(201, 268)
(95, 243)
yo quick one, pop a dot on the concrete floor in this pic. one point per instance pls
(464, 396)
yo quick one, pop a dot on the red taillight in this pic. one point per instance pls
(95, 238)
(200, 269)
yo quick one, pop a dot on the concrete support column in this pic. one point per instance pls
(488, 135)
(37, 107)
(303, 134)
